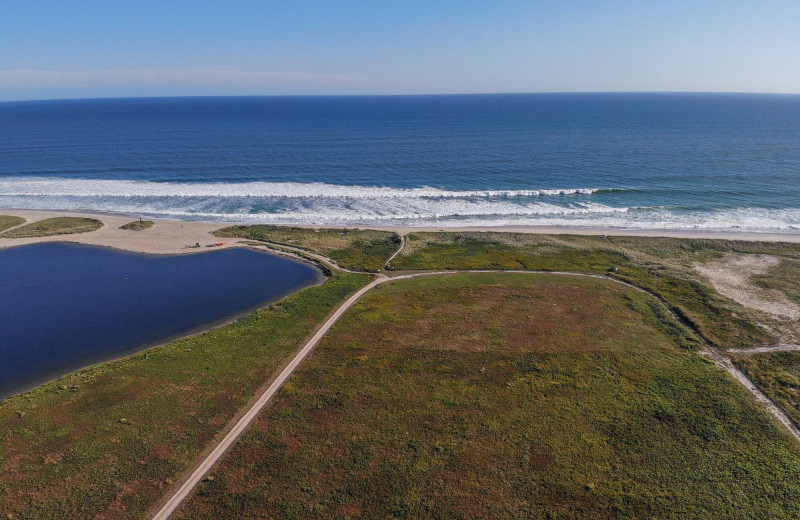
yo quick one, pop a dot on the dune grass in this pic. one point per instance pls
(106, 442)
(55, 226)
(507, 396)
(362, 250)
(138, 225)
(661, 265)
(664, 266)
(784, 277)
(778, 375)
(9, 221)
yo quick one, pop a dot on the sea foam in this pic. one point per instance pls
(330, 204)
(48, 187)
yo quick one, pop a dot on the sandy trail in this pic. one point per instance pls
(760, 397)
(276, 247)
(763, 350)
(197, 475)
(399, 250)
(15, 227)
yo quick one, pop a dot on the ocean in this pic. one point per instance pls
(635, 161)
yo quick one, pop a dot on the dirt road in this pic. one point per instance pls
(175, 500)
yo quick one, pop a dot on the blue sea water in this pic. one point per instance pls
(68, 306)
(648, 161)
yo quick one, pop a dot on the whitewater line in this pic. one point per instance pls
(55, 187)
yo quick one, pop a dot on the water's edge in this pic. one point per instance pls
(209, 326)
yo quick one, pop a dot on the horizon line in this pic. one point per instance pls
(386, 95)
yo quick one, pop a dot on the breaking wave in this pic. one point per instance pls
(329, 204)
(50, 187)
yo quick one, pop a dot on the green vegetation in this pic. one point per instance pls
(361, 250)
(664, 266)
(468, 396)
(109, 440)
(8, 221)
(507, 396)
(55, 226)
(784, 277)
(661, 265)
(138, 225)
(778, 376)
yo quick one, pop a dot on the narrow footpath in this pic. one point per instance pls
(745, 352)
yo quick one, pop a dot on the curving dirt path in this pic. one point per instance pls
(278, 247)
(745, 352)
(760, 397)
(12, 228)
(399, 249)
(174, 501)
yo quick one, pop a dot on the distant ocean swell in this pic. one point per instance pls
(329, 204)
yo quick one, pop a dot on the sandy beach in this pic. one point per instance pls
(176, 237)
(166, 237)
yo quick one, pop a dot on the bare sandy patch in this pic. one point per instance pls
(732, 276)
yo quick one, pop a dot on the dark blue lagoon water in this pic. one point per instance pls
(66, 306)
(684, 161)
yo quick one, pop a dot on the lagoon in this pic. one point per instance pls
(66, 306)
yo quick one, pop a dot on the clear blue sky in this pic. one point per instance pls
(89, 48)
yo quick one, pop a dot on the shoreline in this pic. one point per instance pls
(171, 236)
(748, 236)
(320, 279)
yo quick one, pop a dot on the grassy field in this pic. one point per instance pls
(507, 396)
(785, 277)
(8, 221)
(662, 265)
(106, 442)
(778, 375)
(569, 398)
(362, 250)
(138, 225)
(55, 226)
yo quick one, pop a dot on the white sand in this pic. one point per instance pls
(166, 237)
